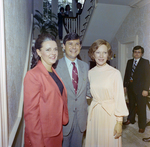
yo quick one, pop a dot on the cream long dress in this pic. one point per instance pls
(108, 105)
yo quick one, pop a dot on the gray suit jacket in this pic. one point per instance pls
(76, 103)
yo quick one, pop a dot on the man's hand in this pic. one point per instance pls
(145, 93)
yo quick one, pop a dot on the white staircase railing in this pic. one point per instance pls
(79, 23)
(72, 24)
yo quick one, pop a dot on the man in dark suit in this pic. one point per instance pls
(136, 83)
(77, 103)
(61, 16)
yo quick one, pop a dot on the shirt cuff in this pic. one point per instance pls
(119, 118)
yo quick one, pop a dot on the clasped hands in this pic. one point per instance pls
(118, 129)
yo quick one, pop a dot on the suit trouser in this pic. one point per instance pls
(140, 101)
(60, 30)
(74, 138)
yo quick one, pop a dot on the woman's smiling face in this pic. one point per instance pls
(48, 53)
(101, 55)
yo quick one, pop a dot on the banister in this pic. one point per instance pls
(72, 24)
(79, 23)
(65, 26)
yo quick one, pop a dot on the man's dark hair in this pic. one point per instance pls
(61, 8)
(71, 36)
(137, 48)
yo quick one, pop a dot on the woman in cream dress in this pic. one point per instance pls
(108, 107)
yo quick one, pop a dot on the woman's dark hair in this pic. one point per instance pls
(96, 45)
(38, 45)
(66, 7)
(71, 36)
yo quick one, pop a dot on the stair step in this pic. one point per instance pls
(90, 8)
(84, 23)
(87, 16)
(83, 30)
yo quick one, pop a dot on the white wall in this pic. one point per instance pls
(55, 6)
(17, 28)
(104, 23)
(136, 23)
(38, 5)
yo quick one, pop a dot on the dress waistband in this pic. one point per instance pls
(107, 105)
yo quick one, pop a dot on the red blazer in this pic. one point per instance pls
(45, 109)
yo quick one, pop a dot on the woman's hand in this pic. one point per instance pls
(118, 129)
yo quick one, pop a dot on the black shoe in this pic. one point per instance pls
(141, 130)
(127, 122)
(146, 139)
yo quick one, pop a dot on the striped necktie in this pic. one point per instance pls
(133, 69)
(74, 77)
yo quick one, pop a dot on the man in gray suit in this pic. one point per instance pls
(77, 103)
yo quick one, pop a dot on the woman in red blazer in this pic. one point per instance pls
(45, 97)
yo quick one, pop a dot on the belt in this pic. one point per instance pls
(131, 81)
(107, 105)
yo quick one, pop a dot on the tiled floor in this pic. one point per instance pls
(132, 138)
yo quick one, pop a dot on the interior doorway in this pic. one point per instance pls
(125, 52)
(125, 48)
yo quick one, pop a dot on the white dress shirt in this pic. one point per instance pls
(70, 66)
(137, 61)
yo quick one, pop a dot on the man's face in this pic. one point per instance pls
(72, 49)
(137, 54)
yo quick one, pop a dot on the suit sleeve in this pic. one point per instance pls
(88, 89)
(126, 76)
(88, 84)
(146, 76)
(32, 111)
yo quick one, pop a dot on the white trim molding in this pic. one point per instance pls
(3, 96)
